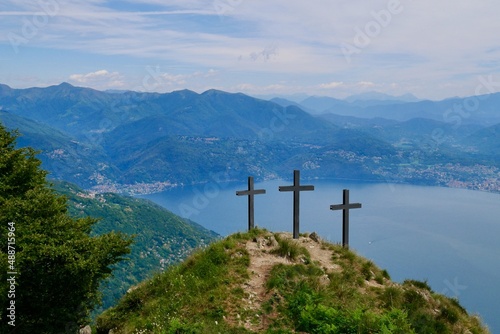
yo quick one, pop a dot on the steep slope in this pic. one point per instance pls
(160, 237)
(61, 154)
(485, 141)
(265, 282)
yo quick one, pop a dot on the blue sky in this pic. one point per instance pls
(278, 47)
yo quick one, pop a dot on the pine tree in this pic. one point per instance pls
(58, 263)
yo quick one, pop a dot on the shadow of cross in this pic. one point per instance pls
(296, 188)
(250, 193)
(345, 207)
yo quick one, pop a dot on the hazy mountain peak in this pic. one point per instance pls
(65, 85)
(185, 93)
(378, 96)
(211, 92)
(4, 89)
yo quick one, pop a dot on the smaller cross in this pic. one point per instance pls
(345, 207)
(250, 193)
(296, 188)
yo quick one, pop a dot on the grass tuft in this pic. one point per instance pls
(289, 248)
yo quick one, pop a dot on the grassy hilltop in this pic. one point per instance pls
(267, 282)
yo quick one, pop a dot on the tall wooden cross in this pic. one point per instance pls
(345, 207)
(296, 188)
(250, 193)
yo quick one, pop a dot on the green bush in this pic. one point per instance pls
(283, 276)
(289, 248)
(366, 270)
(177, 327)
(419, 284)
(449, 315)
(385, 274)
(413, 300)
(426, 324)
(395, 322)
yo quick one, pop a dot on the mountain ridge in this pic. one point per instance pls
(116, 142)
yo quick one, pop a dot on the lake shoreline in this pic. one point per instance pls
(140, 189)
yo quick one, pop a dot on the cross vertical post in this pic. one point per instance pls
(345, 207)
(296, 188)
(250, 193)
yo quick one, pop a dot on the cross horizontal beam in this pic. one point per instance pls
(345, 207)
(250, 192)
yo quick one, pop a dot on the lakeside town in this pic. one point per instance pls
(475, 177)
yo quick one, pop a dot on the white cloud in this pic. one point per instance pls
(156, 79)
(366, 84)
(101, 79)
(331, 85)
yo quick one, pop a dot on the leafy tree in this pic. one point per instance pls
(59, 265)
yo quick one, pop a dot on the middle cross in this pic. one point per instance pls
(296, 188)
(250, 193)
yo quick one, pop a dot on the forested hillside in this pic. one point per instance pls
(160, 238)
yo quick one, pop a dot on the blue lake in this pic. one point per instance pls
(449, 237)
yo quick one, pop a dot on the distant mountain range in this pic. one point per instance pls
(377, 96)
(143, 142)
(483, 110)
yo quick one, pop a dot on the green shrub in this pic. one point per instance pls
(386, 275)
(426, 324)
(177, 327)
(395, 322)
(366, 270)
(318, 319)
(289, 248)
(456, 303)
(284, 277)
(413, 300)
(392, 297)
(449, 315)
(419, 284)
(379, 278)
(346, 254)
